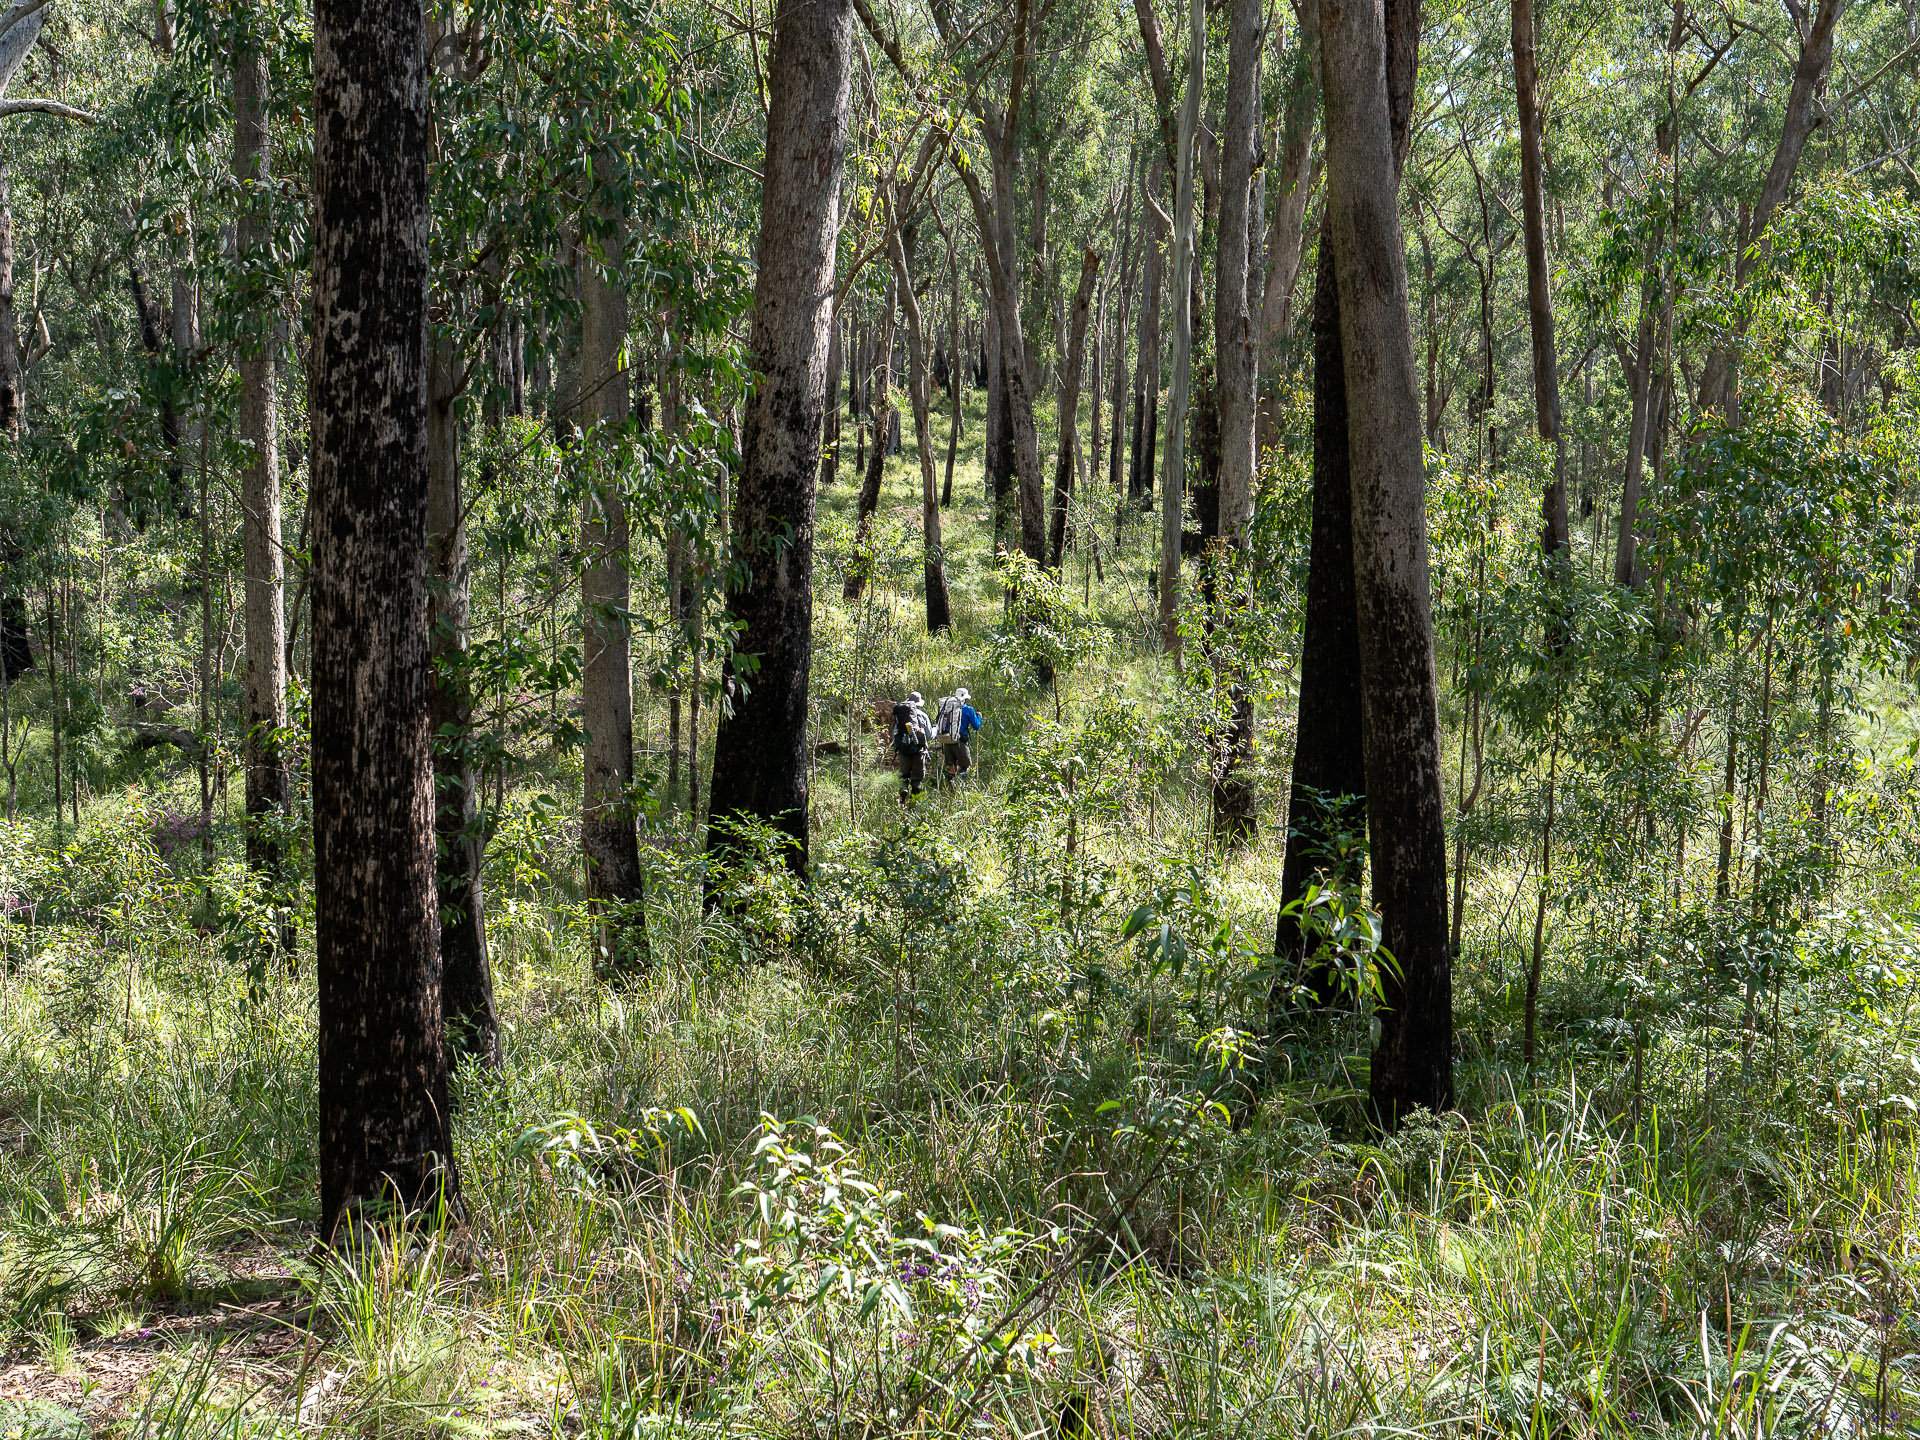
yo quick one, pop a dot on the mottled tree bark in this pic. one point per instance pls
(608, 834)
(267, 783)
(1070, 406)
(1413, 1060)
(760, 754)
(383, 1072)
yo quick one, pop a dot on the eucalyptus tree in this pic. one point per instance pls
(761, 751)
(934, 569)
(384, 1136)
(268, 784)
(1413, 1059)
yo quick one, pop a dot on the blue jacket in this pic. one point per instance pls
(970, 721)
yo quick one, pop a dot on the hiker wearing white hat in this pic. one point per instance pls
(954, 728)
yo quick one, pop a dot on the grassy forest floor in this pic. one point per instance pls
(936, 1149)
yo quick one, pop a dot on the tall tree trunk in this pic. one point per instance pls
(1130, 245)
(1237, 375)
(1173, 471)
(12, 382)
(266, 718)
(997, 463)
(760, 753)
(1236, 346)
(1069, 406)
(1554, 536)
(939, 606)
(466, 975)
(16, 646)
(383, 1071)
(879, 385)
(1326, 805)
(955, 370)
(608, 835)
(1146, 374)
(1413, 1061)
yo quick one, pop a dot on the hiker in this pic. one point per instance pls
(953, 731)
(912, 734)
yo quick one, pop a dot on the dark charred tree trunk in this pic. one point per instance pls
(1554, 535)
(999, 452)
(760, 754)
(1413, 1060)
(1146, 374)
(383, 1071)
(1326, 806)
(1070, 407)
(267, 783)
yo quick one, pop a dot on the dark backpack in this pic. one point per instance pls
(908, 738)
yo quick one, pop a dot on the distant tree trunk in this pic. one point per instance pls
(955, 383)
(1294, 179)
(1237, 378)
(1719, 379)
(12, 386)
(1554, 535)
(760, 754)
(830, 412)
(879, 387)
(1146, 374)
(939, 606)
(153, 341)
(1413, 1061)
(1236, 345)
(608, 836)
(1069, 406)
(383, 1071)
(1173, 470)
(466, 975)
(267, 787)
(16, 647)
(1001, 484)
(1130, 245)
